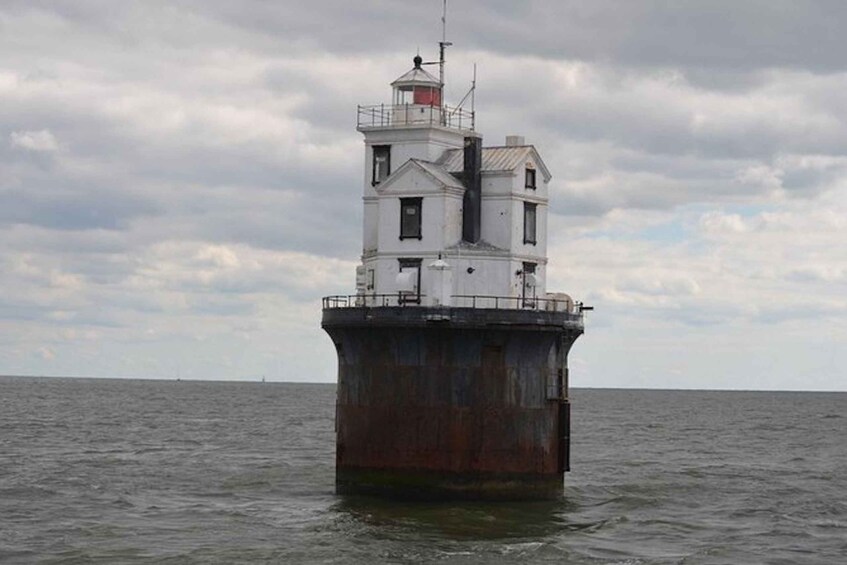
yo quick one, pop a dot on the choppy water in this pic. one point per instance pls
(116, 471)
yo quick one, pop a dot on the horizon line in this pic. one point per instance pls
(271, 381)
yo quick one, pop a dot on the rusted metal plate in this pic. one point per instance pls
(450, 401)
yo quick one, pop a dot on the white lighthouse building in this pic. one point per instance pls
(452, 355)
(448, 222)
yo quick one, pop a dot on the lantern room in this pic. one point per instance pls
(417, 87)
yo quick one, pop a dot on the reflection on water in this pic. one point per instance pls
(462, 520)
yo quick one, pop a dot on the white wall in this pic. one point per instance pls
(497, 209)
(370, 224)
(503, 194)
(490, 274)
(440, 224)
(424, 143)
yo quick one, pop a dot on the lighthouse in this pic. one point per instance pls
(452, 353)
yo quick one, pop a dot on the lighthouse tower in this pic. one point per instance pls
(452, 355)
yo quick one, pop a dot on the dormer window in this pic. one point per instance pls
(381, 163)
(529, 224)
(410, 218)
(529, 177)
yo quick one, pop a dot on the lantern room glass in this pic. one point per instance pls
(418, 95)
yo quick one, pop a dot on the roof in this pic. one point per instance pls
(479, 246)
(416, 76)
(505, 158)
(440, 174)
(433, 170)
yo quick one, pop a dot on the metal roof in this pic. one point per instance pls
(416, 77)
(494, 159)
(506, 158)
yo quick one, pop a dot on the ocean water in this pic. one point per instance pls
(131, 471)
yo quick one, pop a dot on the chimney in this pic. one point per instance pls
(472, 179)
(515, 140)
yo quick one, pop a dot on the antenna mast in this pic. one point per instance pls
(473, 97)
(442, 45)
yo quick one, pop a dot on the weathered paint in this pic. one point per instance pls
(461, 407)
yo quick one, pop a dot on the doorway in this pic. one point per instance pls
(528, 281)
(412, 293)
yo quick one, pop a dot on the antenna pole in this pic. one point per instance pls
(441, 45)
(473, 97)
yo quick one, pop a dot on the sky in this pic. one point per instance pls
(180, 181)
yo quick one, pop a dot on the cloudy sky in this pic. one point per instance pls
(180, 181)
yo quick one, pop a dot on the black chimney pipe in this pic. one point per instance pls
(472, 179)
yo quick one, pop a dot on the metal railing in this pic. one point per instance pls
(387, 115)
(458, 301)
(516, 303)
(371, 300)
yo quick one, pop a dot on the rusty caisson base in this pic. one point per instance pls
(452, 402)
(432, 485)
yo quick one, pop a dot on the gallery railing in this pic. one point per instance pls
(516, 303)
(387, 115)
(457, 301)
(372, 300)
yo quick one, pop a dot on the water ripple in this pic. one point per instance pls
(142, 471)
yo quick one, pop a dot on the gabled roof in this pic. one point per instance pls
(506, 158)
(440, 173)
(434, 171)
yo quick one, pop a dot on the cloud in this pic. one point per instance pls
(46, 353)
(181, 182)
(41, 140)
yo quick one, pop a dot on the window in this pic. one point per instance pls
(382, 163)
(370, 280)
(410, 218)
(530, 178)
(529, 224)
(427, 96)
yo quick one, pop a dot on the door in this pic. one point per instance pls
(528, 285)
(410, 289)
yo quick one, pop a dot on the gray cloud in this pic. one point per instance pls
(185, 176)
(75, 211)
(717, 35)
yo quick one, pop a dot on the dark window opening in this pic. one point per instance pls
(530, 178)
(370, 280)
(410, 218)
(381, 163)
(529, 223)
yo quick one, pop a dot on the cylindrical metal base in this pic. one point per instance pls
(433, 485)
(451, 403)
